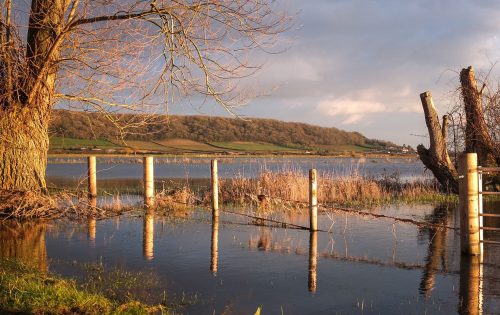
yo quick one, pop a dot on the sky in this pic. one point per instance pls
(360, 65)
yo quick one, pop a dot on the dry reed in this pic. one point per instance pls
(36, 205)
(176, 199)
(292, 187)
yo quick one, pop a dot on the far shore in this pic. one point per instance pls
(139, 155)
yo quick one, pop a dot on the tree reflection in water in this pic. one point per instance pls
(436, 253)
(24, 242)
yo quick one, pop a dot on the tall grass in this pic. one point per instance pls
(289, 186)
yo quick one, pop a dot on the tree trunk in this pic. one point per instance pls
(23, 150)
(436, 158)
(477, 137)
(24, 117)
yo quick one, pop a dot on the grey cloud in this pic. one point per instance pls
(394, 48)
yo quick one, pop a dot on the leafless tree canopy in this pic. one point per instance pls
(117, 55)
(110, 54)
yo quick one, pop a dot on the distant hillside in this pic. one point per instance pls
(205, 129)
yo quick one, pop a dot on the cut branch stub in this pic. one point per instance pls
(477, 137)
(436, 158)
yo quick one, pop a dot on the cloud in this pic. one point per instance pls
(351, 110)
(354, 61)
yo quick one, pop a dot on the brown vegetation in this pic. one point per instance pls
(34, 205)
(177, 199)
(291, 187)
(287, 189)
(26, 204)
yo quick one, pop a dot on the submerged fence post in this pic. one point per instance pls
(215, 190)
(469, 204)
(149, 184)
(313, 200)
(92, 176)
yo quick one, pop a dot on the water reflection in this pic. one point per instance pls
(313, 254)
(470, 289)
(436, 253)
(148, 234)
(272, 269)
(91, 223)
(24, 242)
(91, 230)
(215, 245)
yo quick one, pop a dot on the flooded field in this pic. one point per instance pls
(124, 175)
(71, 172)
(355, 264)
(231, 265)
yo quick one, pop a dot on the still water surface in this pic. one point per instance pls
(115, 168)
(362, 266)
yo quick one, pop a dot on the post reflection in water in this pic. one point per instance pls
(436, 253)
(148, 234)
(25, 242)
(91, 223)
(91, 230)
(215, 245)
(470, 289)
(313, 256)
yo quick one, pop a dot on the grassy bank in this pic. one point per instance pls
(27, 290)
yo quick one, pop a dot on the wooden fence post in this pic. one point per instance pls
(149, 184)
(469, 204)
(215, 190)
(92, 176)
(313, 200)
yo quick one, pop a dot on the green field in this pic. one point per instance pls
(139, 145)
(188, 145)
(71, 143)
(180, 146)
(250, 146)
(343, 148)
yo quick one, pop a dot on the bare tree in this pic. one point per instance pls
(474, 123)
(481, 110)
(118, 55)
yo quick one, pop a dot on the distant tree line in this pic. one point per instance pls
(93, 125)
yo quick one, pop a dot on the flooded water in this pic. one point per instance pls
(124, 175)
(70, 174)
(360, 266)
